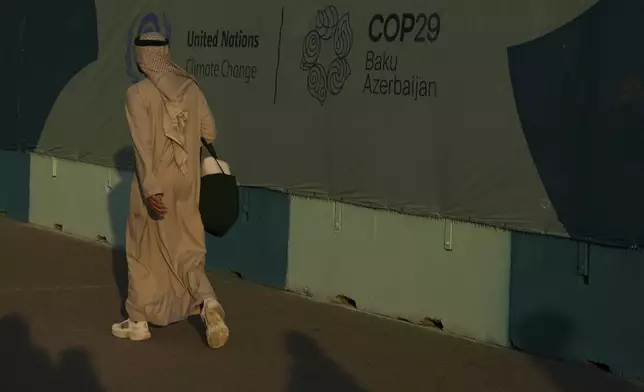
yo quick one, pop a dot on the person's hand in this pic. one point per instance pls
(156, 204)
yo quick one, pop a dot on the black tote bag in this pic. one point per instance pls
(219, 199)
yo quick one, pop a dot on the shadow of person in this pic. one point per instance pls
(75, 373)
(118, 207)
(546, 333)
(25, 367)
(312, 370)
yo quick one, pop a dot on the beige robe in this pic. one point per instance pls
(166, 257)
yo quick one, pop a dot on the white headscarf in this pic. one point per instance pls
(153, 57)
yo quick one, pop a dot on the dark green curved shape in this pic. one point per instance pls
(43, 45)
(579, 92)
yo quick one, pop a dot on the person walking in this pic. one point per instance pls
(167, 115)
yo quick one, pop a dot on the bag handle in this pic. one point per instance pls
(212, 152)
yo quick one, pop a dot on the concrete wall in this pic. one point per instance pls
(14, 184)
(388, 263)
(578, 302)
(397, 265)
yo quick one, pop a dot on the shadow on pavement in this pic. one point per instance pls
(312, 370)
(119, 269)
(118, 199)
(25, 367)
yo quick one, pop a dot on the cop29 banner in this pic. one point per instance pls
(525, 115)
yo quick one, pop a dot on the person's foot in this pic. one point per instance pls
(217, 331)
(129, 329)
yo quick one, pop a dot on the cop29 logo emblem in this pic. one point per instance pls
(326, 78)
(143, 23)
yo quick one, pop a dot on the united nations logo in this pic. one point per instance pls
(148, 23)
(330, 78)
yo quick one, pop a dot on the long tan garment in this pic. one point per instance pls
(166, 257)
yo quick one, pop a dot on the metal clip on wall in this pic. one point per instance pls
(583, 262)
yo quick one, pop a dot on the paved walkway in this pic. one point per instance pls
(58, 297)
